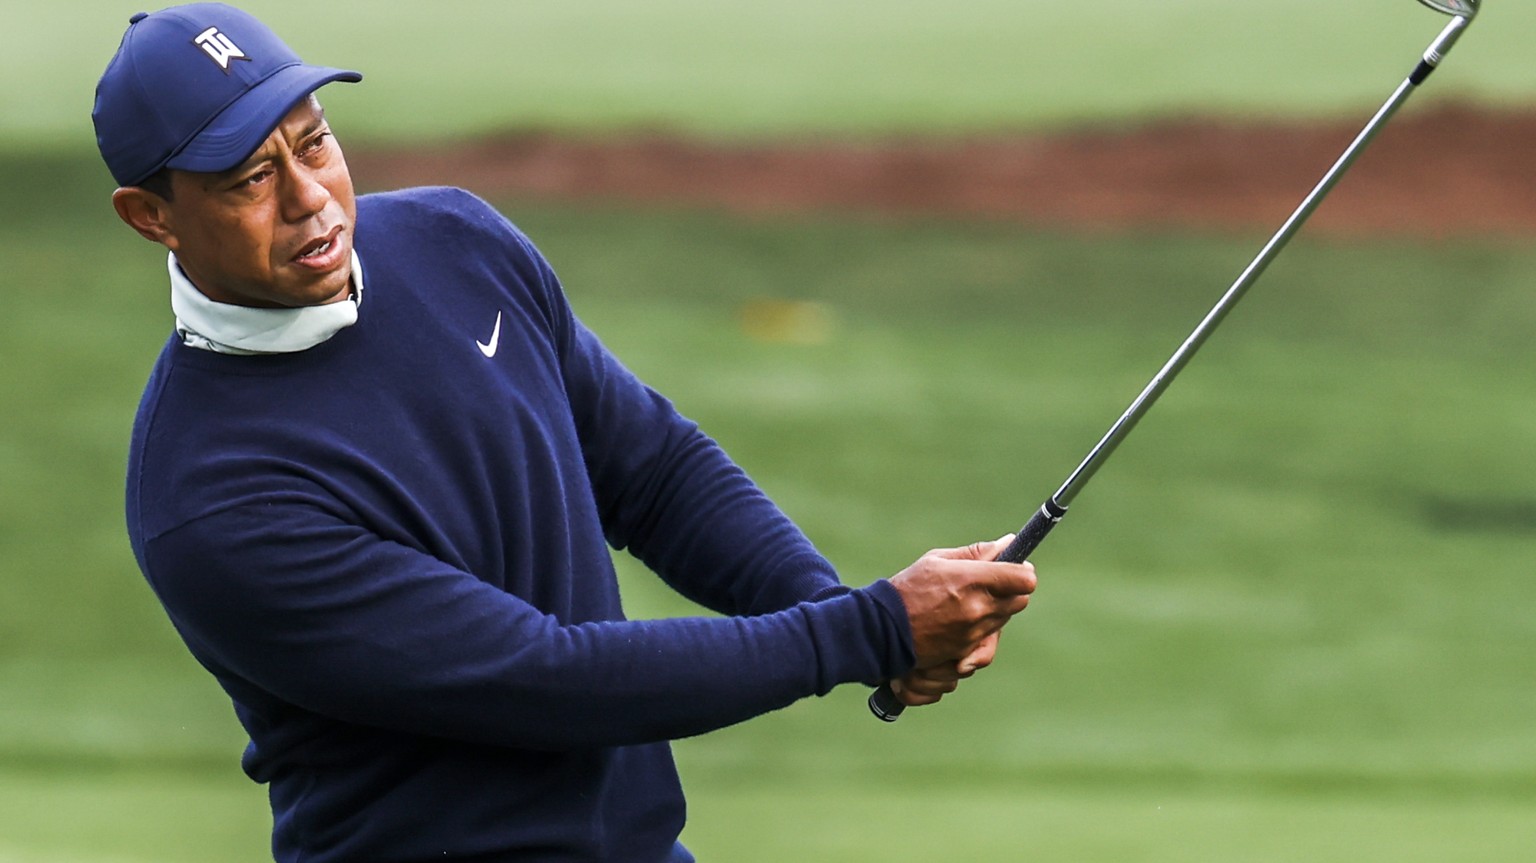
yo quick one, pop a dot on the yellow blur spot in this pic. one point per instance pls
(800, 322)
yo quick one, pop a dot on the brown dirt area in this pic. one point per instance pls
(1441, 172)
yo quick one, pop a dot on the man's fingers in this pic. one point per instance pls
(1017, 604)
(906, 694)
(975, 551)
(997, 546)
(925, 686)
(930, 687)
(976, 562)
(958, 598)
(989, 550)
(1009, 579)
(947, 672)
(979, 658)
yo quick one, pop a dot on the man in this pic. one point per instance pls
(371, 481)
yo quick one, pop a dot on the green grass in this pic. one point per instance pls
(1288, 621)
(129, 817)
(1028, 819)
(801, 67)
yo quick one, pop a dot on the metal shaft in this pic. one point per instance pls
(1122, 427)
(883, 702)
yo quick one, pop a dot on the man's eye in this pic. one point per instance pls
(253, 180)
(316, 143)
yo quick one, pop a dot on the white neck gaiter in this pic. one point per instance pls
(247, 331)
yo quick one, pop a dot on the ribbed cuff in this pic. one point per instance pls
(863, 636)
(904, 653)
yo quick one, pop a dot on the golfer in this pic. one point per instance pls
(376, 474)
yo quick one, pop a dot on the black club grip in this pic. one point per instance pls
(1033, 533)
(883, 702)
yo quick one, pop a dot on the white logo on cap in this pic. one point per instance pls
(218, 46)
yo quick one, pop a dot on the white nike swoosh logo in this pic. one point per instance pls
(490, 349)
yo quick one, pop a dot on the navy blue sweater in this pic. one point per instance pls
(392, 553)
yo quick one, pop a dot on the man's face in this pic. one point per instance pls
(274, 231)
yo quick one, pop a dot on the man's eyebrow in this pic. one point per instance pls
(262, 155)
(314, 126)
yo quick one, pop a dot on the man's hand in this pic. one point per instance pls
(958, 600)
(927, 685)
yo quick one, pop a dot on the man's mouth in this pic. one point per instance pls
(317, 250)
(320, 251)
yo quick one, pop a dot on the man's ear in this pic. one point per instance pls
(145, 212)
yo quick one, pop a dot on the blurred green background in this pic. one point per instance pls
(1290, 621)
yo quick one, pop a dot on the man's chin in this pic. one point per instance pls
(329, 288)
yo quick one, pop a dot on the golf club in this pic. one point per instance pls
(883, 701)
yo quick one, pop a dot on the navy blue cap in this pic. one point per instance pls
(199, 88)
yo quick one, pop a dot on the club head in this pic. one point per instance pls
(1461, 8)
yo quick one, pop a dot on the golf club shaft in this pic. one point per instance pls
(883, 702)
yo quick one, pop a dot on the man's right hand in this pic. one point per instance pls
(958, 600)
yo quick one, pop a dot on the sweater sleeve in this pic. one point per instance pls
(669, 494)
(301, 608)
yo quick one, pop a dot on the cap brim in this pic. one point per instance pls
(237, 131)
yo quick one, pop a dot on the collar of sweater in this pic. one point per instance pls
(247, 331)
